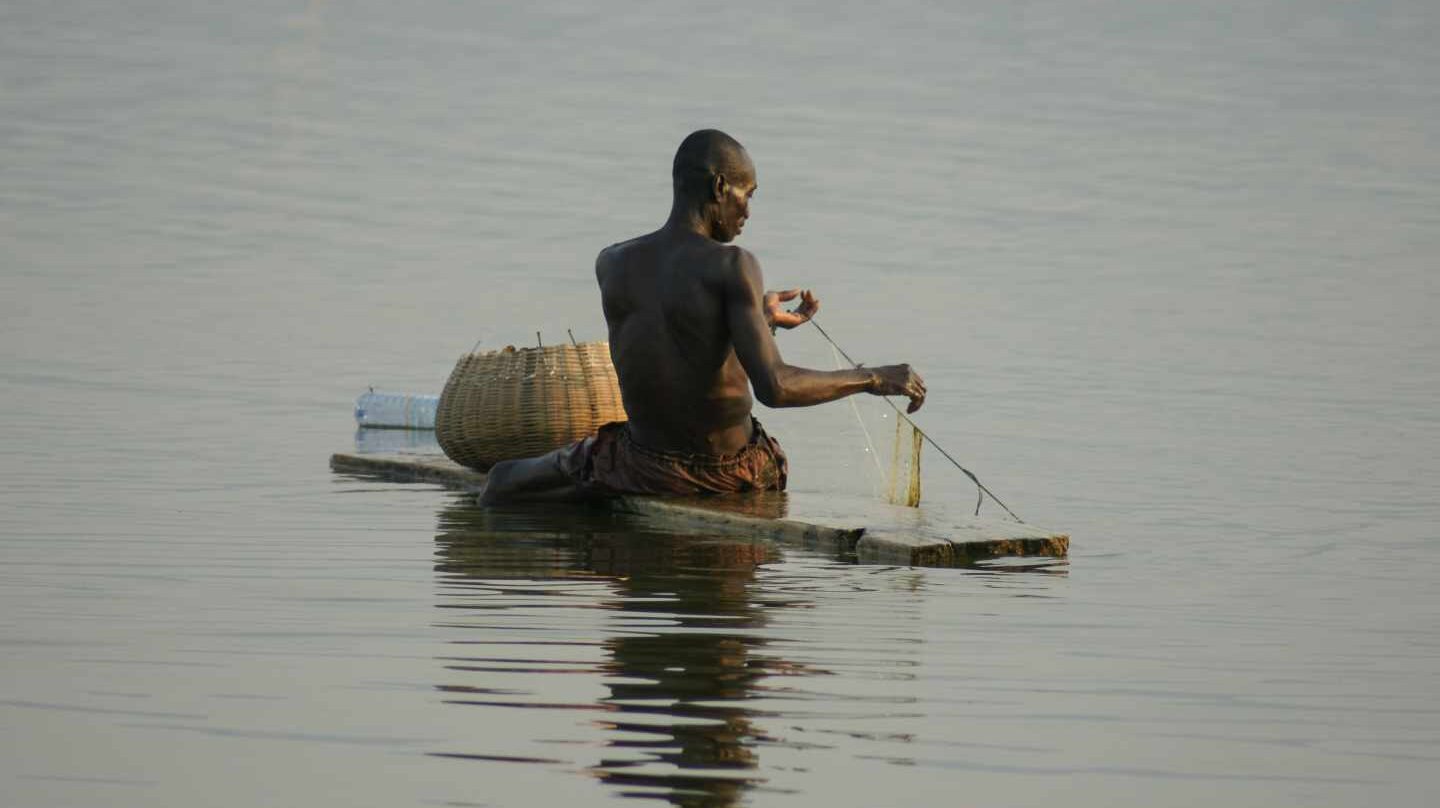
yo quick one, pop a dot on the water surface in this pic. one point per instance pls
(1169, 274)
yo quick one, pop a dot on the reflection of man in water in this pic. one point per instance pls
(685, 644)
(691, 333)
(680, 694)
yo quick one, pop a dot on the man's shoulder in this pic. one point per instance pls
(617, 251)
(612, 261)
(697, 253)
(728, 259)
(739, 264)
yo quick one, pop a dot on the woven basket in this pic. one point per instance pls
(502, 405)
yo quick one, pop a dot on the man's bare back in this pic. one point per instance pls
(691, 334)
(664, 300)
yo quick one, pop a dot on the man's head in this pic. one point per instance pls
(714, 176)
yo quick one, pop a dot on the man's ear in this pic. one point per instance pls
(717, 188)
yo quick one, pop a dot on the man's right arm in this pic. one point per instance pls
(778, 384)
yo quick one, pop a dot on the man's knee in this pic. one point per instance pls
(497, 487)
(528, 478)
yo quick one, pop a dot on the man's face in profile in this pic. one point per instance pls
(735, 202)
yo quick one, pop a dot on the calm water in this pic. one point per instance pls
(1170, 274)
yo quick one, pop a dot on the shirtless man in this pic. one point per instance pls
(691, 333)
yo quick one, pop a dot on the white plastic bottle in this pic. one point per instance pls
(395, 410)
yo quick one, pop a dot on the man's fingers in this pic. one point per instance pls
(917, 400)
(914, 388)
(900, 380)
(786, 294)
(809, 303)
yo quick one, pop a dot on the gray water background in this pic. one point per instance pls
(1168, 269)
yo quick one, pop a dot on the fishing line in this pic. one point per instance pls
(869, 444)
(981, 491)
(892, 495)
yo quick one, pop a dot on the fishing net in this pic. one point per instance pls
(901, 485)
(914, 440)
(904, 486)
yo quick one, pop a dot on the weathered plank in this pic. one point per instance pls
(873, 532)
(410, 468)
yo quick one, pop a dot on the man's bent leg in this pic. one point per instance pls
(530, 479)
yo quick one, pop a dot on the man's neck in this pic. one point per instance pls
(687, 218)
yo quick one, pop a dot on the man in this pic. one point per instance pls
(691, 333)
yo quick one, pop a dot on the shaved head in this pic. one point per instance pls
(705, 154)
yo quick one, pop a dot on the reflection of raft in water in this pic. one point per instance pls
(872, 532)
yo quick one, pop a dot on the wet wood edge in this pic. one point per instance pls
(805, 535)
(865, 546)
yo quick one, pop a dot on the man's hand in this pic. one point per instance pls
(898, 380)
(776, 317)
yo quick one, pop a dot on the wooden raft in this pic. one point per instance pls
(873, 532)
